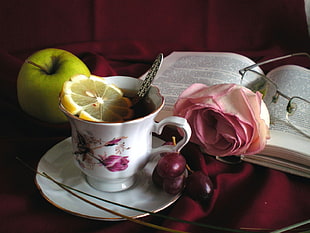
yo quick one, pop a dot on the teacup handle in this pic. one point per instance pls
(179, 122)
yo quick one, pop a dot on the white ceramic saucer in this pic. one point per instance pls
(58, 163)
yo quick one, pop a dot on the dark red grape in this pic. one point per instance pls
(157, 180)
(174, 185)
(199, 186)
(171, 165)
(165, 153)
(169, 172)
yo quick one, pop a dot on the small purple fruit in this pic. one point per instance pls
(165, 153)
(171, 165)
(157, 180)
(199, 186)
(174, 185)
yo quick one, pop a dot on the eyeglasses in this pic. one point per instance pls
(297, 108)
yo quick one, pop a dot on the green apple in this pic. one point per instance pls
(40, 82)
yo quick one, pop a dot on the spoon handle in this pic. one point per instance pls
(146, 84)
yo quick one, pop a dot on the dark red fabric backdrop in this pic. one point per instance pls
(115, 37)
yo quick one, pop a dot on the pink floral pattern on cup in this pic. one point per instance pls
(87, 157)
(115, 163)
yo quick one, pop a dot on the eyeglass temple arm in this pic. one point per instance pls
(272, 60)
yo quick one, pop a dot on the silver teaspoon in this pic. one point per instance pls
(146, 84)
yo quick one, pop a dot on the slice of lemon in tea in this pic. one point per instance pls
(91, 98)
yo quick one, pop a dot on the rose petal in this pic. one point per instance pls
(225, 118)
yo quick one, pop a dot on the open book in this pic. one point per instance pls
(287, 150)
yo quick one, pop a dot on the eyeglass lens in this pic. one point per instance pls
(298, 114)
(257, 82)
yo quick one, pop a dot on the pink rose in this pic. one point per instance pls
(226, 119)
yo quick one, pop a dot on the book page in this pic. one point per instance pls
(291, 80)
(181, 69)
(288, 147)
(285, 152)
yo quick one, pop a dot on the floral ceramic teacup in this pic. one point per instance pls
(111, 154)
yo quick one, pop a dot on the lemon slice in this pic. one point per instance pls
(91, 98)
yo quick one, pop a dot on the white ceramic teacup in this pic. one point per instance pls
(111, 154)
